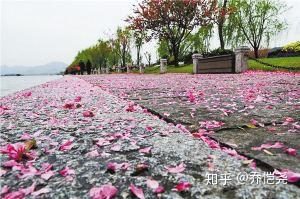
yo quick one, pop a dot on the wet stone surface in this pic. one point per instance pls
(79, 128)
(254, 108)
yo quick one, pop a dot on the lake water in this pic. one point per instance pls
(11, 84)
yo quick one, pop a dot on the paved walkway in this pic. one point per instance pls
(69, 138)
(241, 111)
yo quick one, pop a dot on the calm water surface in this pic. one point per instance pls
(11, 84)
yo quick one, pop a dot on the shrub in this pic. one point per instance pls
(218, 52)
(292, 47)
(289, 50)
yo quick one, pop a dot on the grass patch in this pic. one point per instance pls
(172, 69)
(253, 65)
(280, 61)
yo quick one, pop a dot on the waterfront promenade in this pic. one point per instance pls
(133, 133)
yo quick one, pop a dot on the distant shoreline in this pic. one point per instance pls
(16, 75)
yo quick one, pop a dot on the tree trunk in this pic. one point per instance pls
(176, 55)
(221, 37)
(256, 52)
(124, 55)
(138, 55)
(221, 25)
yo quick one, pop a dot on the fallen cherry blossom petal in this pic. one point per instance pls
(93, 153)
(291, 151)
(138, 192)
(47, 175)
(4, 190)
(178, 169)
(153, 184)
(159, 189)
(145, 150)
(104, 192)
(88, 114)
(67, 171)
(77, 99)
(183, 186)
(66, 146)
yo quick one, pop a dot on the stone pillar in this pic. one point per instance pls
(196, 58)
(241, 60)
(128, 69)
(163, 65)
(107, 70)
(99, 71)
(142, 68)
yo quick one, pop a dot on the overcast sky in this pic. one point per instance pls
(41, 31)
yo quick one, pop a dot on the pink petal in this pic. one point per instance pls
(291, 151)
(124, 166)
(4, 190)
(178, 169)
(149, 128)
(95, 193)
(292, 177)
(16, 194)
(112, 166)
(182, 186)
(2, 172)
(277, 145)
(159, 189)
(77, 99)
(69, 105)
(10, 163)
(67, 171)
(66, 146)
(138, 192)
(289, 119)
(191, 96)
(166, 114)
(145, 150)
(108, 191)
(92, 154)
(153, 184)
(47, 175)
(130, 107)
(27, 94)
(116, 147)
(88, 114)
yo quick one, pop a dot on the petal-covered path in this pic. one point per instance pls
(255, 113)
(71, 139)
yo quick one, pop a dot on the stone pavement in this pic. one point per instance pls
(254, 108)
(68, 138)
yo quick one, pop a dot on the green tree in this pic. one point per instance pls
(172, 21)
(121, 44)
(140, 38)
(256, 21)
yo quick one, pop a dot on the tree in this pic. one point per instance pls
(139, 39)
(163, 50)
(258, 21)
(88, 67)
(148, 58)
(220, 20)
(199, 41)
(122, 44)
(172, 20)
